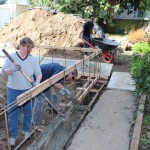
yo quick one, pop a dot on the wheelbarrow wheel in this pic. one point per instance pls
(107, 57)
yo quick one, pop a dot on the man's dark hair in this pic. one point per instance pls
(90, 16)
(75, 72)
(26, 41)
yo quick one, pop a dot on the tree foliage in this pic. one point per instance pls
(97, 7)
(2, 2)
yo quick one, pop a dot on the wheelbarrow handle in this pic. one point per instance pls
(88, 43)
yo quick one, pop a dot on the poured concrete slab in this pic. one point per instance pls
(107, 126)
(121, 81)
(105, 69)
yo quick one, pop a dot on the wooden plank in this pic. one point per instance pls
(87, 90)
(67, 48)
(92, 75)
(99, 81)
(38, 89)
(91, 90)
(94, 98)
(138, 125)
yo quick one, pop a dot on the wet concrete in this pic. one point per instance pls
(56, 134)
(90, 66)
(107, 126)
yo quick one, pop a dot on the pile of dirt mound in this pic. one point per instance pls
(44, 28)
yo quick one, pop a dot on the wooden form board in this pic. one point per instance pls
(87, 89)
(92, 75)
(8, 46)
(138, 125)
(67, 48)
(38, 89)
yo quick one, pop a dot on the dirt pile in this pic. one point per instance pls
(44, 28)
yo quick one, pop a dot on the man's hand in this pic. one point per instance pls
(65, 92)
(54, 98)
(36, 83)
(15, 68)
(79, 36)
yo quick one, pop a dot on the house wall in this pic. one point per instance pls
(21, 9)
(124, 26)
(133, 15)
(21, 2)
(126, 20)
(11, 11)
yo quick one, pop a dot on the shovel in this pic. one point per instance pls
(67, 119)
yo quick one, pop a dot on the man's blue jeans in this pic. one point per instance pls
(14, 113)
(38, 106)
(88, 39)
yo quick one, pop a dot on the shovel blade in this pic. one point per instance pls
(83, 107)
(67, 123)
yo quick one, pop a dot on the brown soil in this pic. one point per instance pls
(44, 28)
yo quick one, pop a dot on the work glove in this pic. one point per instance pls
(65, 92)
(54, 98)
(36, 83)
(15, 68)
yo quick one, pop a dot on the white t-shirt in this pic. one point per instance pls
(30, 67)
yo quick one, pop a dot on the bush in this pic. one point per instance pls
(142, 48)
(138, 35)
(140, 71)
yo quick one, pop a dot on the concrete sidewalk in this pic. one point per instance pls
(107, 126)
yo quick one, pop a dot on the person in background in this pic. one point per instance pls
(18, 84)
(87, 32)
(49, 70)
(100, 22)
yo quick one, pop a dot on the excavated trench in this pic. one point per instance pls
(57, 135)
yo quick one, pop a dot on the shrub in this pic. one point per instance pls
(138, 35)
(140, 71)
(142, 48)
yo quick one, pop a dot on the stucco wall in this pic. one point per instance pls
(11, 11)
(6, 13)
(21, 9)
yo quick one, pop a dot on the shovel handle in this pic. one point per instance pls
(14, 62)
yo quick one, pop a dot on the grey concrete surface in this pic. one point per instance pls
(104, 68)
(107, 126)
(121, 81)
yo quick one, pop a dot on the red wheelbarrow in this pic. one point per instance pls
(108, 46)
